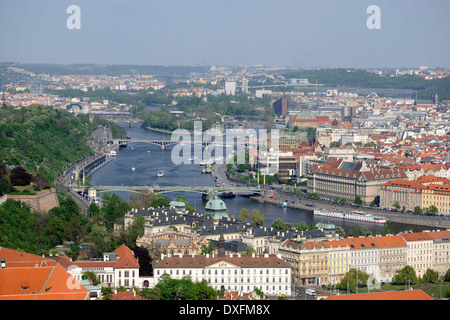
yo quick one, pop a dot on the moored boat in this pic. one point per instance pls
(355, 216)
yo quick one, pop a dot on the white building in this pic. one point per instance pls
(364, 255)
(118, 268)
(230, 88)
(268, 273)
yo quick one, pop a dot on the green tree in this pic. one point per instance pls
(106, 293)
(184, 289)
(257, 218)
(244, 215)
(433, 209)
(207, 249)
(430, 276)
(160, 202)
(279, 224)
(301, 226)
(352, 279)
(113, 208)
(417, 209)
(93, 209)
(89, 275)
(396, 205)
(385, 230)
(405, 275)
(358, 200)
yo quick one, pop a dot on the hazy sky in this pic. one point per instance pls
(300, 33)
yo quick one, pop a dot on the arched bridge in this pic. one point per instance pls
(208, 191)
(164, 143)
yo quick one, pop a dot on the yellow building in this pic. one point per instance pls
(436, 195)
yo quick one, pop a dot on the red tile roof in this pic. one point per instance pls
(389, 241)
(40, 283)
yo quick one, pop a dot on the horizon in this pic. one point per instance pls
(307, 34)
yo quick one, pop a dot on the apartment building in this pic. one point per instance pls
(338, 262)
(316, 262)
(364, 255)
(379, 256)
(309, 261)
(424, 192)
(419, 253)
(392, 255)
(438, 196)
(441, 251)
(408, 194)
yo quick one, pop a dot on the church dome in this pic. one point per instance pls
(216, 207)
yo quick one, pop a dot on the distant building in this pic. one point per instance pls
(230, 88)
(280, 106)
(342, 179)
(244, 88)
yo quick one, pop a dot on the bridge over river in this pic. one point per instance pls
(206, 192)
(163, 143)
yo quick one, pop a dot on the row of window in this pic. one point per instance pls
(219, 271)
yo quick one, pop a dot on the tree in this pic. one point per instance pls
(114, 208)
(184, 289)
(405, 275)
(433, 209)
(301, 226)
(385, 230)
(430, 276)
(160, 202)
(447, 275)
(107, 293)
(41, 181)
(352, 279)
(145, 261)
(396, 205)
(279, 224)
(89, 275)
(358, 200)
(244, 215)
(93, 209)
(257, 218)
(207, 249)
(417, 209)
(20, 177)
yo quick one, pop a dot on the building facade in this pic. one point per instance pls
(268, 273)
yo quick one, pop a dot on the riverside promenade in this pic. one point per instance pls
(301, 202)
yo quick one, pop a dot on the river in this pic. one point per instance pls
(148, 159)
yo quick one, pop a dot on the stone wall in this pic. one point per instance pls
(42, 202)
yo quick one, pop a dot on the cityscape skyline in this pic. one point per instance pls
(305, 34)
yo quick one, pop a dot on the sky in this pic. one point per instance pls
(295, 33)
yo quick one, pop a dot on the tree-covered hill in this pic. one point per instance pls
(42, 139)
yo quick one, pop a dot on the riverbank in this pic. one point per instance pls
(159, 130)
(301, 202)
